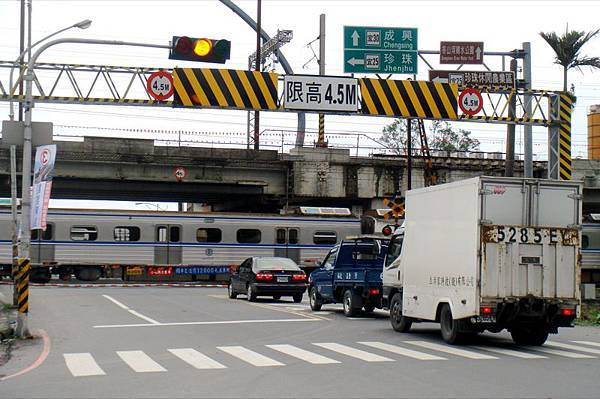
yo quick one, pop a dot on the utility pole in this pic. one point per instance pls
(527, 129)
(321, 143)
(13, 208)
(257, 69)
(510, 129)
(409, 154)
(21, 49)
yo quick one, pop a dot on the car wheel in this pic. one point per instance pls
(251, 294)
(230, 292)
(450, 327)
(529, 336)
(313, 299)
(399, 322)
(351, 303)
(297, 298)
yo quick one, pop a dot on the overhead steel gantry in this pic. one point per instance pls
(88, 84)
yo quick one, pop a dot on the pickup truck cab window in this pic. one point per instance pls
(330, 260)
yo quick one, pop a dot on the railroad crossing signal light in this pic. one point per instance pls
(396, 208)
(200, 49)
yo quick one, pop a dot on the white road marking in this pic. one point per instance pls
(451, 350)
(206, 323)
(133, 312)
(509, 352)
(588, 343)
(562, 353)
(196, 359)
(254, 358)
(352, 352)
(140, 362)
(302, 354)
(82, 364)
(402, 351)
(573, 347)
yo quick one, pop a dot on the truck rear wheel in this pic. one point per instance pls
(529, 336)
(399, 322)
(450, 327)
(352, 303)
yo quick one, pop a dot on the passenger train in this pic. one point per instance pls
(93, 243)
(590, 250)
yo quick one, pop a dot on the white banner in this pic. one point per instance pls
(320, 93)
(45, 157)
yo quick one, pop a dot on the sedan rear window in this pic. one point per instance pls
(274, 264)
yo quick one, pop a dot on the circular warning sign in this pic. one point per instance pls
(180, 173)
(45, 156)
(160, 85)
(470, 101)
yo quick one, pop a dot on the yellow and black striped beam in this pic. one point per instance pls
(88, 100)
(225, 88)
(529, 121)
(23, 285)
(409, 98)
(565, 109)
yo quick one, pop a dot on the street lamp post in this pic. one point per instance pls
(81, 25)
(25, 230)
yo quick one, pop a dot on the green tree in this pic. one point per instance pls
(567, 49)
(441, 136)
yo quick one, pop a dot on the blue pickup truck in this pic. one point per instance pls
(350, 274)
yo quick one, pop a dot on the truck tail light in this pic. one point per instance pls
(486, 310)
(567, 312)
(373, 291)
(264, 276)
(299, 277)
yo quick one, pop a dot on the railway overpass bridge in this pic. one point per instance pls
(239, 179)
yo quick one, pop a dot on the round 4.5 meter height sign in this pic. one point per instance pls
(470, 101)
(160, 85)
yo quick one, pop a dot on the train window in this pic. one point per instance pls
(84, 233)
(293, 236)
(46, 234)
(248, 236)
(161, 234)
(280, 236)
(325, 237)
(585, 241)
(208, 235)
(175, 236)
(127, 233)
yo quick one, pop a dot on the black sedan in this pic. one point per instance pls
(268, 276)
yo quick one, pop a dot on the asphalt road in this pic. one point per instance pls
(194, 342)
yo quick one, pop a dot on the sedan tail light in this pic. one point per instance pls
(299, 277)
(264, 276)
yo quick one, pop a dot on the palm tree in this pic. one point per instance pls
(567, 48)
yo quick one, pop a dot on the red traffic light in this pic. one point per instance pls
(184, 45)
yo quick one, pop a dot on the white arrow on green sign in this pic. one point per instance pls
(380, 50)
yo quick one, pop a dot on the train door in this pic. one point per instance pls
(287, 236)
(168, 252)
(42, 250)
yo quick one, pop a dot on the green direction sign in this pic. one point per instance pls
(380, 50)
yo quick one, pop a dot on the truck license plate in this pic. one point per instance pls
(282, 279)
(484, 319)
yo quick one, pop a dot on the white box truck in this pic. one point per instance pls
(487, 253)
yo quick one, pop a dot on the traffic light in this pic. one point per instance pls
(200, 49)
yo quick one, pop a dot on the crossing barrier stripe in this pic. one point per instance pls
(89, 100)
(564, 138)
(23, 285)
(123, 285)
(409, 98)
(225, 88)
(506, 119)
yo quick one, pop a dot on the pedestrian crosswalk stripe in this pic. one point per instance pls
(451, 350)
(402, 351)
(558, 352)
(302, 354)
(588, 343)
(509, 352)
(255, 359)
(82, 364)
(196, 359)
(352, 352)
(140, 362)
(573, 347)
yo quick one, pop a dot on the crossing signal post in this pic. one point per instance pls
(200, 49)
(396, 211)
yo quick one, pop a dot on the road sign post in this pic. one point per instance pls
(380, 50)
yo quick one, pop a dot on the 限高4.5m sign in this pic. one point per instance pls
(320, 93)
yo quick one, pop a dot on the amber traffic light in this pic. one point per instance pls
(200, 49)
